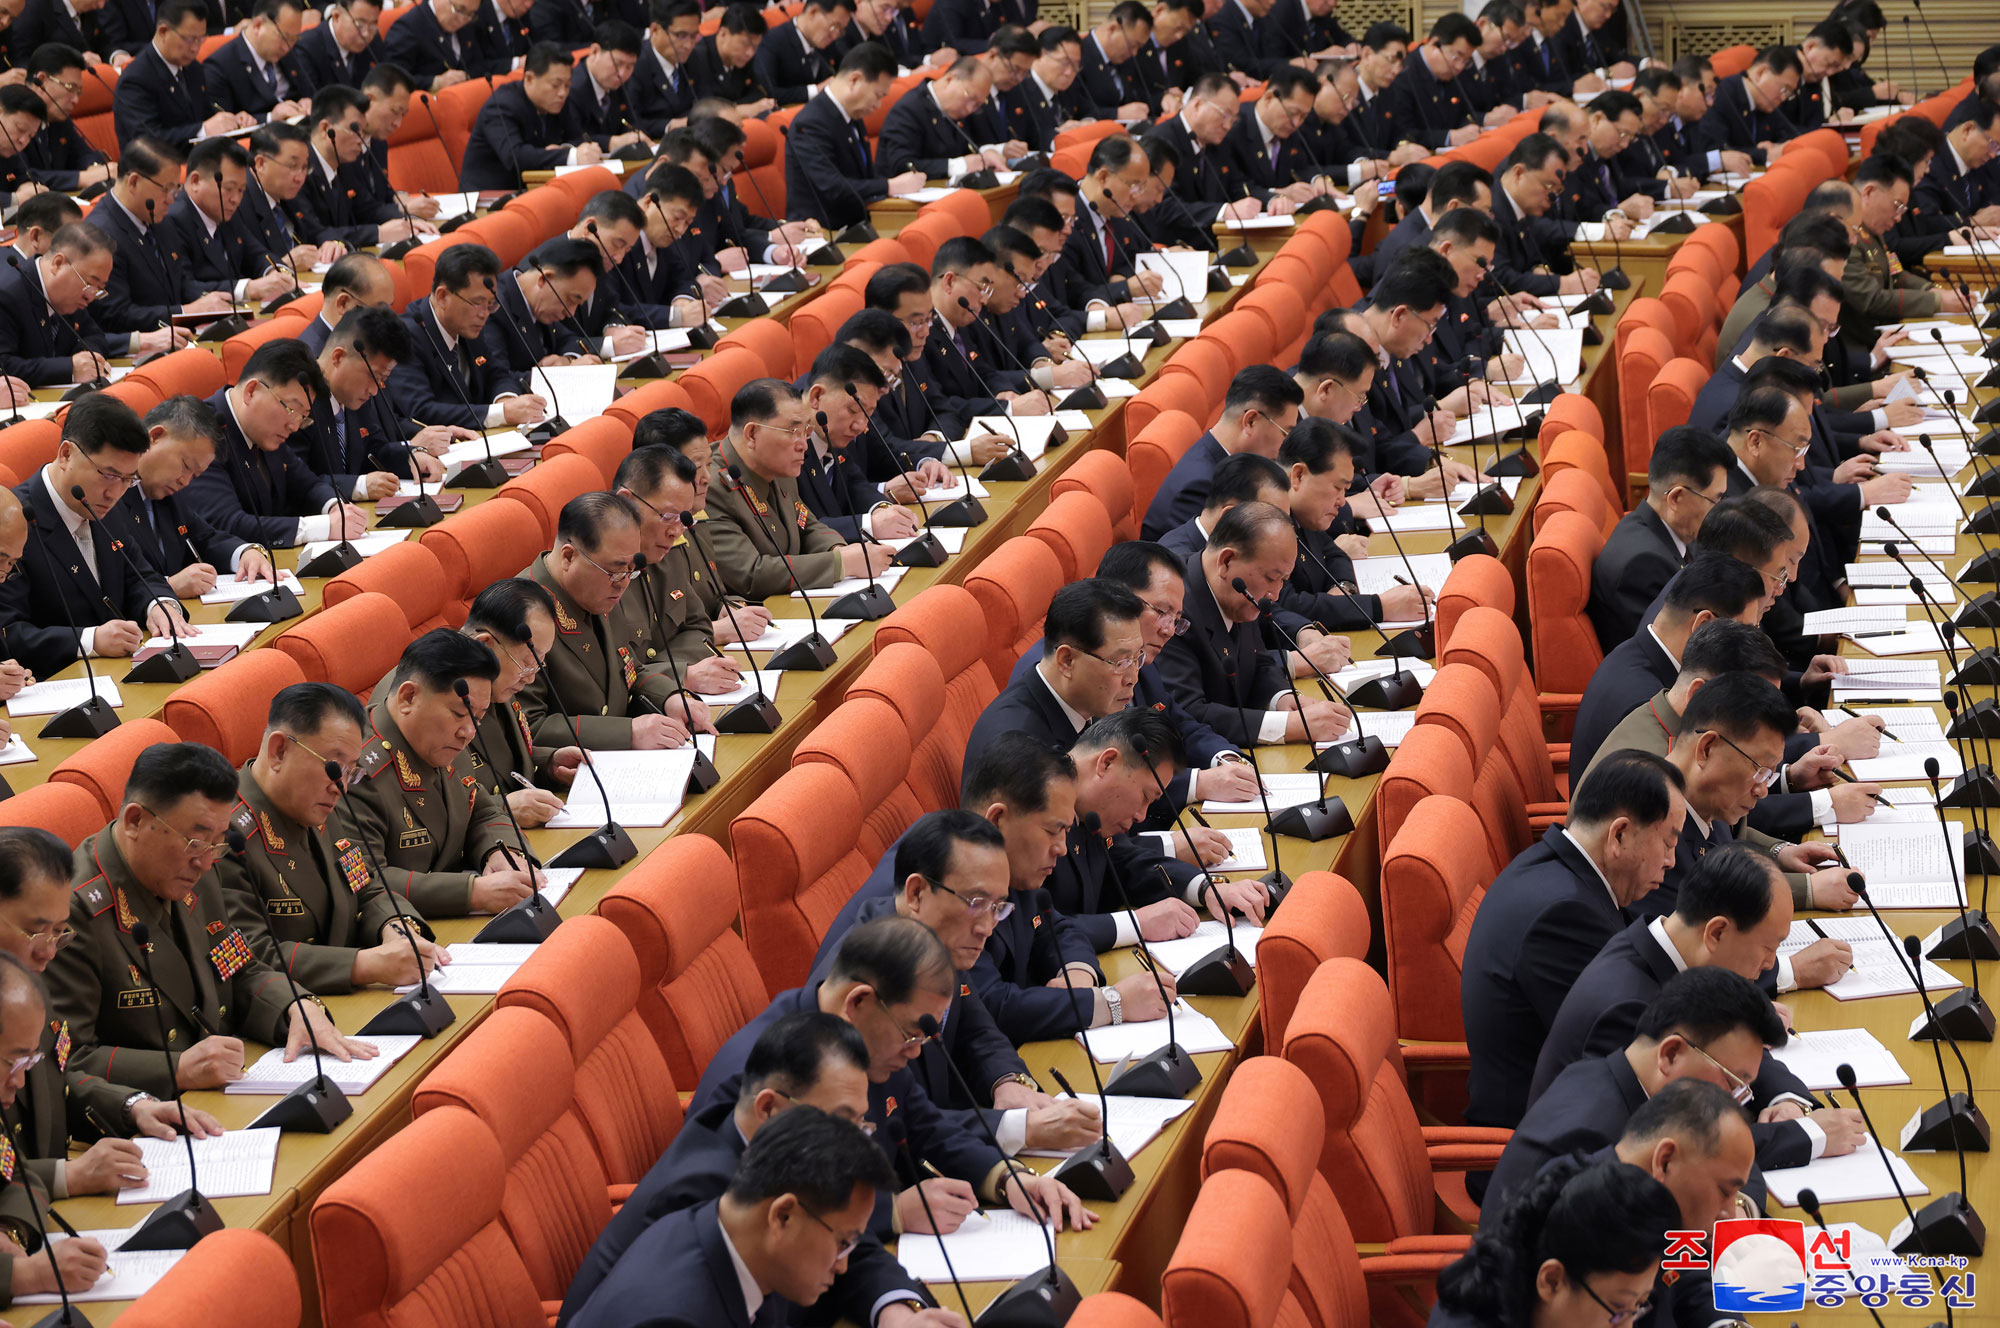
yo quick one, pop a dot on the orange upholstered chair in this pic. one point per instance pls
(413, 1234)
(1571, 410)
(714, 383)
(1283, 312)
(1169, 392)
(1429, 761)
(1721, 241)
(225, 707)
(1112, 1309)
(1154, 450)
(237, 350)
(408, 573)
(865, 740)
(1732, 60)
(1773, 199)
(923, 237)
(948, 627)
(908, 680)
(663, 394)
(1390, 1176)
(70, 812)
(1700, 262)
(698, 983)
(193, 370)
(515, 1073)
(1233, 1265)
(1323, 916)
(1670, 400)
(1439, 875)
(965, 206)
(1210, 362)
(814, 323)
(480, 545)
(769, 340)
(28, 446)
(798, 860)
(1698, 312)
(1565, 644)
(1573, 491)
(545, 490)
(1462, 701)
(1578, 450)
(1077, 529)
(1644, 353)
(102, 765)
(1101, 474)
(881, 252)
(232, 1279)
(1474, 580)
(604, 442)
(584, 981)
(1489, 641)
(1011, 590)
(353, 645)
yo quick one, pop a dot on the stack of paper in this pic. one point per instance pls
(231, 1165)
(577, 392)
(1851, 1178)
(229, 590)
(464, 977)
(1889, 680)
(1246, 851)
(996, 1245)
(128, 1274)
(1909, 806)
(1372, 576)
(1029, 433)
(1366, 670)
(646, 789)
(1463, 493)
(1178, 956)
(1282, 790)
(1417, 518)
(788, 631)
(1815, 1057)
(748, 684)
(558, 880)
(1388, 727)
(1822, 621)
(1557, 354)
(58, 694)
(1906, 760)
(847, 585)
(1911, 638)
(460, 455)
(15, 752)
(210, 634)
(1193, 1031)
(271, 1074)
(1135, 1122)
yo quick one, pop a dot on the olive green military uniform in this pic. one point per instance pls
(597, 666)
(1878, 290)
(56, 1103)
(1749, 307)
(305, 901)
(17, 1214)
(430, 829)
(206, 980)
(505, 737)
(741, 538)
(668, 596)
(1646, 730)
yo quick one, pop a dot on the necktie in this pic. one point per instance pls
(87, 546)
(1395, 388)
(861, 141)
(340, 435)
(1542, 54)
(1104, 235)
(1276, 144)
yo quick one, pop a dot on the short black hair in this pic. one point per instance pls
(503, 607)
(1452, 27)
(1687, 455)
(891, 282)
(875, 330)
(206, 158)
(1335, 353)
(1136, 733)
(587, 518)
(372, 330)
(386, 77)
(1738, 706)
(1419, 277)
(817, 1158)
(795, 1048)
(1884, 170)
(96, 421)
(1532, 152)
(166, 772)
(645, 469)
(284, 361)
(173, 13)
(440, 657)
(1626, 782)
(872, 60)
(567, 257)
(1016, 769)
(1466, 225)
(1703, 1004)
(897, 956)
(1742, 529)
(615, 35)
(927, 847)
(1724, 645)
(333, 100)
(741, 18)
(1246, 526)
(842, 367)
(1080, 610)
(1723, 586)
(544, 56)
(461, 265)
(670, 426)
(29, 853)
(1615, 103)
(670, 183)
(1265, 386)
(1762, 408)
(1317, 444)
(1114, 152)
(1798, 277)
(1130, 563)
(53, 212)
(758, 400)
(1734, 882)
(51, 58)
(1690, 1111)
(1241, 478)
(305, 707)
(1384, 34)
(1780, 59)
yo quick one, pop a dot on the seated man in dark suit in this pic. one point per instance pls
(840, 393)
(1711, 586)
(963, 25)
(1686, 476)
(1219, 669)
(907, 416)
(255, 72)
(352, 440)
(47, 337)
(344, 47)
(800, 1060)
(1269, 154)
(1534, 247)
(532, 325)
(1097, 274)
(151, 281)
(1239, 39)
(830, 174)
(1747, 114)
(280, 156)
(1733, 914)
(1209, 181)
(60, 156)
(1407, 302)
(658, 274)
(720, 64)
(530, 126)
(187, 549)
(436, 44)
(925, 131)
(1427, 103)
(1261, 406)
(660, 92)
(1047, 102)
(804, 1170)
(1706, 1023)
(337, 204)
(1318, 458)
(458, 373)
(222, 256)
(69, 570)
(162, 94)
(887, 975)
(1548, 914)
(967, 383)
(1949, 194)
(597, 85)
(260, 487)
(795, 56)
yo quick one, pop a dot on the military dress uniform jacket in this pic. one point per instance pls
(305, 900)
(1877, 289)
(671, 602)
(56, 1103)
(432, 830)
(209, 982)
(595, 668)
(746, 541)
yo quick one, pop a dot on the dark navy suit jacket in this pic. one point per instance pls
(829, 171)
(683, 1252)
(150, 273)
(325, 62)
(254, 494)
(233, 81)
(1584, 1110)
(1634, 565)
(153, 98)
(1026, 951)
(1184, 490)
(55, 586)
(216, 261)
(652, 99)
(164, 530)
(511, 135)
(1635, 670)
(1219, 670)
(426, 386)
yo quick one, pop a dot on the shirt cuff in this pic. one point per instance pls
(241, 290)
(236, 559)
(1787, 980)
(59, 1188)
(1096, 318)
(1815, 1136)
(360, 488)
(1043, 376)
(1124, 933)
(1880, 418)
(87, 638)
(313, 528)
(496, 415)
(1012, 1131)
(1714, 161)
(1271, 728)
(570, 160)
(1822, 806)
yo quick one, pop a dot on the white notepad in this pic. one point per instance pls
(55, 695)
(1851, 1178)
(232, 1165)
(1193, 1030)
(127, 1275)
(1246, 853)
(577, 392)
(1135, 1122)
(231, 591)
(788, 631)
(1283, 790)
(1905, 761)
(748, 683)
(1372, 576)
(15, 752)
(994, 1245)
(847, 585)
(646, 789)
(1177, 956)
(1815, 1057)
(468, 979)
(1389, 727)
(270, 1074)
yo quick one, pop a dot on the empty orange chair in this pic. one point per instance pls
(225, 707)
(604, 442)
(1439, 873)
(28, 446)
(413, 1233)
(1154, 451)
(1489, 641)
(408, 573)
(480, 545)
(545, 490)
(884, 251)
(923, 237)
(1732, 60)
(1323, 916)
(70, 812)
(907, 680)
(865, 740)
(1774, 198)
(1077, 529)
(1102, 475)
(1573, 491)
(1180, 391)
(1429, 761)
(1012, 589)
(1565, 643)
(798, 861)
(232, 1279)
(1233, 1265)
(698, 984)
(1111, 1309)
(1474, 580)
(769, 340)
(1390, 1176)
(353, 645)
(714, 383)
(103, 764)
(1669, 402)
(948, 627)
(1696, 311)
(1721, 241)
(1576, 450)
(1571, 410)
(814, 323)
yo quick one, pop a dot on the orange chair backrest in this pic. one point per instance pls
(408, 573)
(192, 370)
(865, 740)
(922, 237)
(1566, 650)
(1211, 363)
(1489, 641)
(70, 812)
(1233, 1265)
(102, 765)
(604, 442)
(1721, 241)
(769, 340)
(948, 626)
(1671, 397)
(1732, 60)
(678, 908)
(1155, 451)
(662, 394)
(1577, 450)
(235, 1278)
(1181, 392)
(1104, 477)
(1078, 529)
(352, 645)
(1323, 916)
(1429, 761)
(225, 707)
(28, 446)
(1571, 410)
(966, 207)
(906, 680)
(814, 323)
(798, 861)
(1438, 883)
(1012, 589)
(1474, 580)
(548, 487)
(1640, 360)
(480, 545)
(1573, 491)
(714, 383)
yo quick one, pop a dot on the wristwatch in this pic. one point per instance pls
(135, 1100)
(1114, 1003)
(1023, 1080)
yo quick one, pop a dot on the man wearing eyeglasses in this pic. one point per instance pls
(1263, 147)
(335, 205)
(1878, 290)
(621, 697)
(59, 155)
(344, 47)
(1610, 125)
(1686, 476)
(660, 91)
(968, 383)
(1426, 103)
(43, 309)
(152, 282)
(666, 594)
(306, 901)
(163, 94)
(1748, 112)
(154, 867)
(254, 72)
(535, 322)
(509, 762)
(457, 372)
(434, 44)
(178, 540)
(67, 572)
(219, 249)
(949, 872)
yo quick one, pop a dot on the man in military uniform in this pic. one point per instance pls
(418, 805)
(685, 433)
(51, 1103)
(662, 483)
(305, 902)
(1876, 289)
(598, 668)
(754, 519)
(152, 867)
(505, 755)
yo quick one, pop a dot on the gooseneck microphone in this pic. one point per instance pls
(608, 845)
(1097, 1170)
(812, 653)
(187, 1217)
(1416, 642)
(420, 1010)
(319, 1104)
(94, 716)
(174, 664)
(1324, 816)
(530, 921)
(899, 1134)
(422, 510)
(869, 602)
(68, 1316)
(1167, 1071)
(704, 776)
(1946, 1226)
(1955, 1123)
(554, 425)
(1015, 465)
(925, 549)
(1965, 1010)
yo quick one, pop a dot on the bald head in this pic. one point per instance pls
(13, 527)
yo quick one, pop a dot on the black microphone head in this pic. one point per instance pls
(1845, 1073)
(852, 391)
(234, 838)
(927, 1025)
(1930, 767)
(1883, 512)
(76, 492)
(897, 1131)
(1430, 404)
(1857, 883)
(965, 304)
(332, 769)
(1951, 702)
(1481, 263)
(1923, 375)
(590, 225)
(638, 563)
(141, 933)
(1917, 587)
(1807, 1201)
(687, 519)
(819, 418)
(462, 688)
(1937, 335)
(521, 633)
(1090, 822)
(1913, 947)
(489, 285)
(735, 474)
(28, 514)
(1924, 439)
(1241, 587)
(1947, 629)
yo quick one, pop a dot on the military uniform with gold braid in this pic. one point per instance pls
(305, 901)
(504, 735)
(597, 665)
(741, 537)
(55, 1104)
(1877, 288)
(17, 1213)
(431, 829)
(672, 603)
(210, 982)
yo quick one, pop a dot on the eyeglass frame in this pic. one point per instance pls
(853, 1242)
(56, 939)
(1765, 776)
(350, 774)
(614, 577)
(1742, 1085)
(1130, 664)
(1001, 909)
(916, 1039)
(1617, 1316)
(195, 848)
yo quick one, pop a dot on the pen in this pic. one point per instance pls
(1139, 951)
(1058, 1076)
(1846, 778)
(1883, 730)
(520, 779)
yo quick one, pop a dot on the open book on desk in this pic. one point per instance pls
(1135, 1122)
(128, 1274)
(645, 788)
(994, 1245)
(272, 1075)
(54, 695)
(1815, 1057)
(1193, 1030)
(231, 1166)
